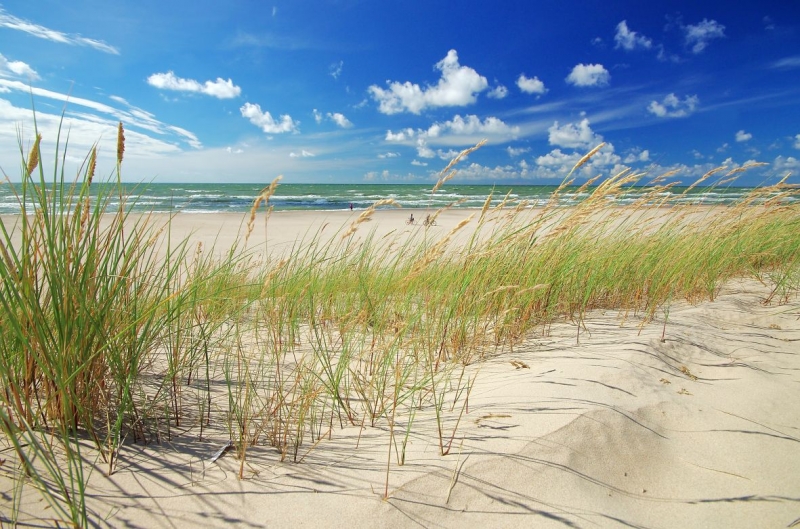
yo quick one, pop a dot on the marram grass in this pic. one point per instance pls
(112, 332)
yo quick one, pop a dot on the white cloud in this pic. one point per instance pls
(588, 75)
(472, 124)
(220, 88)
(419, 164)
(743, 136)
(18, 68)
(787, 163)
(423, 151)
(340, 120)
(12, 22)
(517, 151)
(797, 141)
(574, 135)
(403, 135)
(335, 69)
(266, 122)
(458, 86)
(105, 115)
(787, 63)
(302, 154)
(630, 40)
(498, 92)
(698, 35)
(638, 156)
(557, 164)
(672, 107)
(389, 155)
(231, 150)
(531, 86)
(318, 117)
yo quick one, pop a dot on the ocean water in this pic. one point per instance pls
(219, 198)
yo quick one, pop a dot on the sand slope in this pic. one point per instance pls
(619, 430)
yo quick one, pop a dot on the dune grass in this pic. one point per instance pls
(111, 332)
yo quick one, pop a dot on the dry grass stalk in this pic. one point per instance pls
(746, 167)
(437, 249)
(446, 174)
(264, 197)
(366, 214)
(586, 158)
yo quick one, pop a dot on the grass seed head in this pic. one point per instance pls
(120, 142)
(92, 165)
(33, 157)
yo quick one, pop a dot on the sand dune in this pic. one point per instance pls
(602, 426)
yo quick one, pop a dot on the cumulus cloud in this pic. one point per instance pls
(697, 36)
(743, 136)
(302, 154)
(557, 164)
(12, 22)
(531, 86)
(389, 155)
(588, 75)
(672, 107)
(470, 125)
(797, 141)
(340, 120)
(458, 86)
(630, 40)
(220, 88)
(318, 117)
(517, 151)
(573, 135)
(266, 122)
(498, 92)
(17, 68)
(638, 156)
(423, 151)
(786, 163)
(403, 135)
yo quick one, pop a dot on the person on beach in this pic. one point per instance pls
(411, 219)
(351, 206)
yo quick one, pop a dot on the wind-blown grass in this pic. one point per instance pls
(113, 332)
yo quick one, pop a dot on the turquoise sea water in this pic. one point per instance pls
(218, 198)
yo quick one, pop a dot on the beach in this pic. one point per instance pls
(686, 419)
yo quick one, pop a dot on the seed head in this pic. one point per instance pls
(33, 157)
(120, 142)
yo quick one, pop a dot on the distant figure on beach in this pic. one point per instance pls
(410, 219)
(351, 206)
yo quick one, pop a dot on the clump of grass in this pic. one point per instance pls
(112, 331)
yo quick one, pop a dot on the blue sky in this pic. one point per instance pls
(387, 91)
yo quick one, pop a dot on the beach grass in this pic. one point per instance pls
(114, 332)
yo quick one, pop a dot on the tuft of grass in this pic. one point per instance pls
(113, 332)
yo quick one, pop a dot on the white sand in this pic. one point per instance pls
(615, 431)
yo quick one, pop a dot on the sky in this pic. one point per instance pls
(372, 91)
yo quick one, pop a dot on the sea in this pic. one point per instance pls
(229, 197)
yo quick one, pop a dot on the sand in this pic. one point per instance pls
(612, 427)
